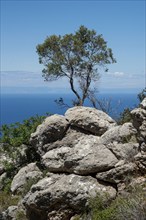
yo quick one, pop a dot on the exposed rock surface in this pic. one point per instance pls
(82, 154)
(63, 192)
(119, 134)
(52, 129)
(10, 213)
(85, 157)
(120, 173)
(125, 151)
(90, 119)
(25, 174)
(139, 121)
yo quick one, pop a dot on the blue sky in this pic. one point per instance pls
(24, 24)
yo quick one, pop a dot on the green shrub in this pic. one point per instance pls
(13, 136)
(20, 215)
(125, 116)
(19, 133)
(129, 207)
(28, 185)
(132, 206)
(142, 95)
(100, 208)
(6, 200)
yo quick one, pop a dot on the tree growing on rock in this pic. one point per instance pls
(79, 57)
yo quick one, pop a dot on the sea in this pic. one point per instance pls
(18, 107)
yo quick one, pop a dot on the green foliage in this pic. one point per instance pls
(125, 116)
(19, 133)
(6, 182)
(100, 208)
(20, 215)
(13, 136)
(28, 185)
(78, 57)
(131, 207)
(142, 95)
(77, 217)
(6, 200)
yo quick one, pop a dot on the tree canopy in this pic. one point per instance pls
(78, 57)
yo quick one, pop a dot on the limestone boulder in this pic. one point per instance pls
(138, 181)
(52, 129)
(86, 156)
(125, 151)
(143, 104)
(138, 116)
(141, 162)
(26, 174)
(139, 122)
(65, 193)
(143, 147)
(89, 119)
(121, 173)
(10, 213)
(120, 134)
(69, 140)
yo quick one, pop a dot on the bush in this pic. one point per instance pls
(6, 200)
(100, 208)
(19, 133)
(13, 136)
(133, 206)
(142, 95)
(20, 215)
(125, 116)
(129, 207)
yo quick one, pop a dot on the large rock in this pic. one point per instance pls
(89, 119)
(143, 104)
(141, 162)
(52, 129)
(139, 116)
(28, 173)
(87, 156)
(120, 173)
(10, 213)
(120, 134)
(125, 151)
(139, 122)
(69, 140)
(67, 193)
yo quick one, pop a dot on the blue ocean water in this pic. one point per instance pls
(16, 108)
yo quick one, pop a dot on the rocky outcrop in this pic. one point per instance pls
(82, 154)
(10, 213)
(90, 119)
(26, 174)
(125, 151)
(87, 156)
(52, 129)
(68, 193)
(139, 122)
(120, 134)
(119, 173)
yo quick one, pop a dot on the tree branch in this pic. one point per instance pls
(72, 86)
